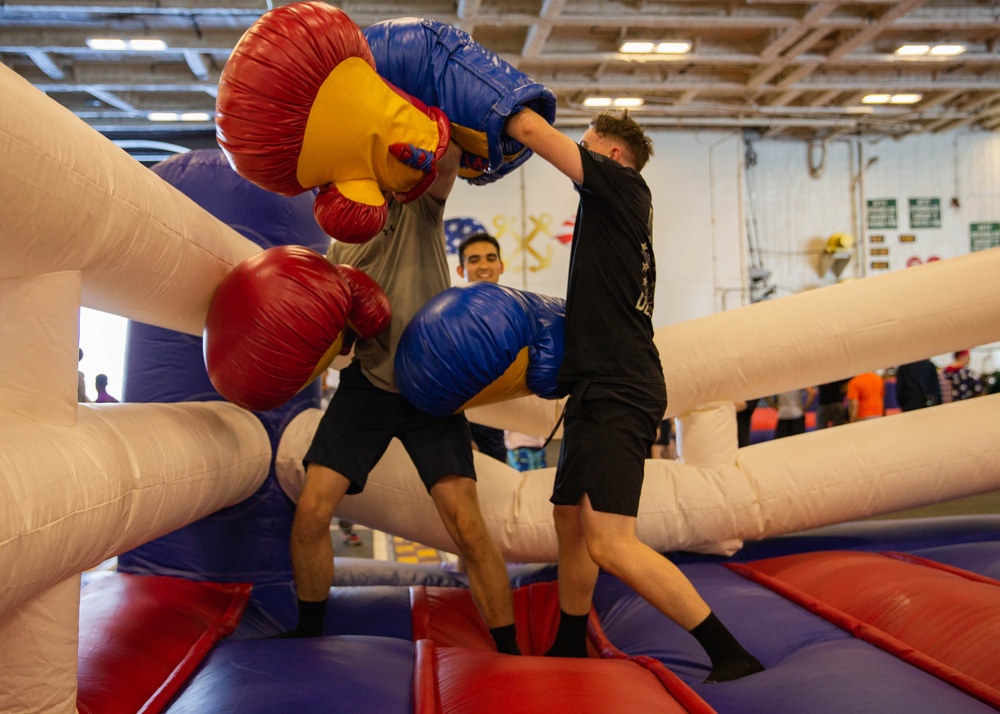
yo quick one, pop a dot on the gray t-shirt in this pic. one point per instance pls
(790, 404)
(407, 259)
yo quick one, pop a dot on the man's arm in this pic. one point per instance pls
(548, 142)
(447, 167)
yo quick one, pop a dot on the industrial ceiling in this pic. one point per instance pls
(784, 68)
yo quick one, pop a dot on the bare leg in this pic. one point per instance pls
(312, 551)
(577, 571)
(458, 503)
(577, 579)
(613, 545)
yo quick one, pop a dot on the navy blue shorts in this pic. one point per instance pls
(362, 419)
(608, 432)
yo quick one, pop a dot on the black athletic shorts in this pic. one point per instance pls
(608, 432)
(361, 421)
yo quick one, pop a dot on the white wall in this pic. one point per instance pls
(724, 201)
(716, 214)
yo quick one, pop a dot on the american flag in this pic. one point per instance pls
(565, 235)
(457, 229)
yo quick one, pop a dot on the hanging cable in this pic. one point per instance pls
(816, 170)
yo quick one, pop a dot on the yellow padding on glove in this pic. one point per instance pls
(328, 357)
(469, 139)
(353, 120)
(509, 385)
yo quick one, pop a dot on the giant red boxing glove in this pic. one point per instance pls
(370, 312)
(300, 106)
(277, 321)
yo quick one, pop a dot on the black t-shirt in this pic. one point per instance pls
(612, 278)
(833, 392)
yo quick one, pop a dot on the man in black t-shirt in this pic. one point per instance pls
(831, 410)
(612, 371)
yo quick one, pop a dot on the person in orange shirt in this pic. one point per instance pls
(865, 397)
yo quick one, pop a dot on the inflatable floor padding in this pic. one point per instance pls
(878, 616)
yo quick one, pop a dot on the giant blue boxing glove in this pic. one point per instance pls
(444, 67)
(478, 344)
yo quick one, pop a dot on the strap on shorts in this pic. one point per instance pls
(577, 393)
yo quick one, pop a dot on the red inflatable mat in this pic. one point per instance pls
(941, 619)
(458, 671)
(141, 637)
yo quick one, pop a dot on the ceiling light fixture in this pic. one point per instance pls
(892, 98)
(947, 50)
(913, 50)
(629, 102)
(118, 44)
(935, 50)
(673, 47)
(597, 102)
(106, 43)
(147, 45)
(636, 47)
(174, 116)
(664, 47)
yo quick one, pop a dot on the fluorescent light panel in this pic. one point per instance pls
(947, 50)
(616, 101)
(940, 50)
(174, 116)
(892, 98)
(673, 47)
(636, 47)
(119, 44)
(661, 47)
(913, 50)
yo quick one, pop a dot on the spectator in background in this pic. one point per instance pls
(991, 378)
(917, 385)
(959, 381)
(744, 418)
(791, 407)
(101, 382)
(830, 409)
(665, 445)
(524, 452)
(81, 382)
(865, 397)
(479, 261)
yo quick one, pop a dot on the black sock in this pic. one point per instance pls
(729, 659)
(506, 639)
(311, 616)
(571, 636)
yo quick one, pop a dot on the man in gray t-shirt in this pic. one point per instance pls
(407, 260)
